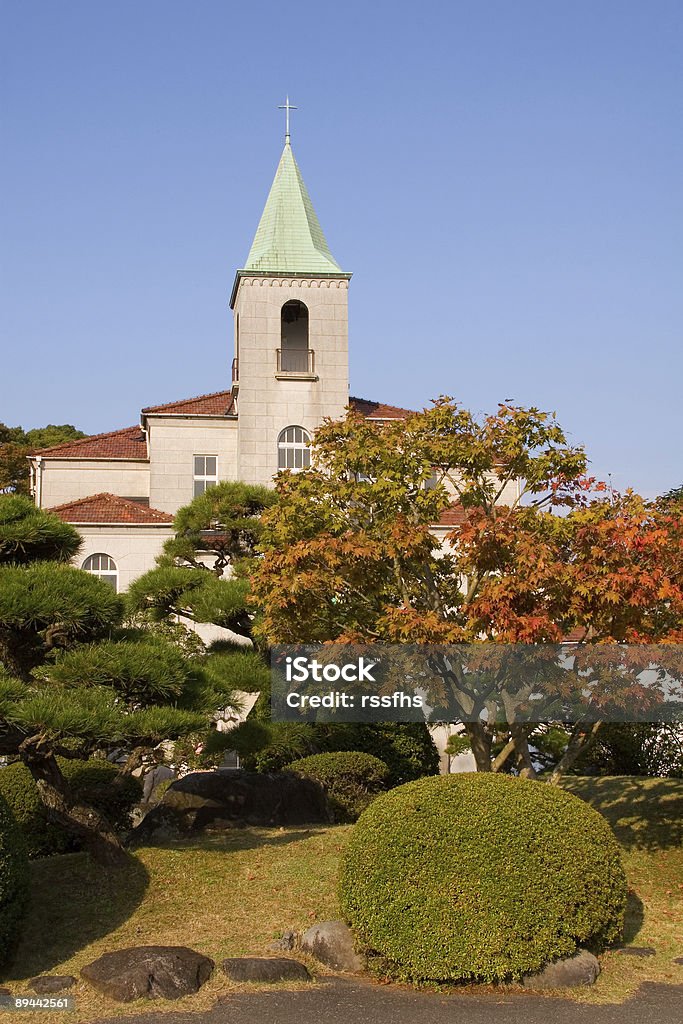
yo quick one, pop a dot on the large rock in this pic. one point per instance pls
(580, 969)
(224, 799)
(48, 984)
(331, 942)
(148, 972)
(270, 969)
(153, 777)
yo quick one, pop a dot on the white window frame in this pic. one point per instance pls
(293, 449)
(201, 481)
(105, 568)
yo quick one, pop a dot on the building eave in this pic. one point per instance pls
(191, 415)
(128, 526)
(86, 458)
(279, 276)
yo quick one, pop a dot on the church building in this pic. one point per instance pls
(290, 370)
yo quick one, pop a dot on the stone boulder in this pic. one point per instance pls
(48, 984)
(268, 969)
(287, 941)
(148, 972)
(225, 799)
(331, 942)
(570, 972)
(153, 777)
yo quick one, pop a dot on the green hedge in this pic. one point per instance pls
(13, 882)
(264, 746)
(406, 748)
(350, 779)
(480, 877)
(91, 781)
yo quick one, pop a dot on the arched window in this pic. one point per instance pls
(295, 355)
(293, 448)
(104, 567)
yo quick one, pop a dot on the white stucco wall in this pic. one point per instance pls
(64, 480)
(509, 495)
(133, 548)
(450, 764)
(173, 443)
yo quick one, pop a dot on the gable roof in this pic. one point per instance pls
(111, 509)
(218, 403)
(289, 238)
(378, 410)
(129, 443)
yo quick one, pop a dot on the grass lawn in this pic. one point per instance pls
(231, 894)
(647, 818)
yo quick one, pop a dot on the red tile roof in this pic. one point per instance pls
(220, 403)
(454, 515)
(110, 509)
(576, 635)
(129, 443)
(378, 410)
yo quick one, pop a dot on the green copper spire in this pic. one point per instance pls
(289, 239)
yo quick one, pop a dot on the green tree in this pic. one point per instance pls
(29, 534)
(74, 682)
(641, 748)
(673, 497)
(202, 574)
(16, 445)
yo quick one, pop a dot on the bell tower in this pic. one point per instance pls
(290, 305)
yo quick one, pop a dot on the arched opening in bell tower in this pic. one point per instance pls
(295, 356)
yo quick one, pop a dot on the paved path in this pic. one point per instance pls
(341, 1001)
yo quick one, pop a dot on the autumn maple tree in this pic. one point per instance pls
(535, 550)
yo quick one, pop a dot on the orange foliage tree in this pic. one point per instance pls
(537, 551)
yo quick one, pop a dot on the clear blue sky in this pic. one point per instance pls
(504, 179)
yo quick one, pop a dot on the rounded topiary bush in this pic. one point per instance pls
(91, 781)
(351, 779)
(406, 748)
(13, 882)
(480, 877)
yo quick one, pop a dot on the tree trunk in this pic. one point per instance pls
(582, 737)
(135, 758)
(17, 657)
(88, 824)
(525, 765)
(501, 759)
(480, 741)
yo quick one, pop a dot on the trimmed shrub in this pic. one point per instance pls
(406, 748)
(91, 781)
(266, 746)
(480, 878)
(13, 882)
(350, 779)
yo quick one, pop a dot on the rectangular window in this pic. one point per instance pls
(205, 473)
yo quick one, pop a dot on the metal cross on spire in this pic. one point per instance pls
(287, 106)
